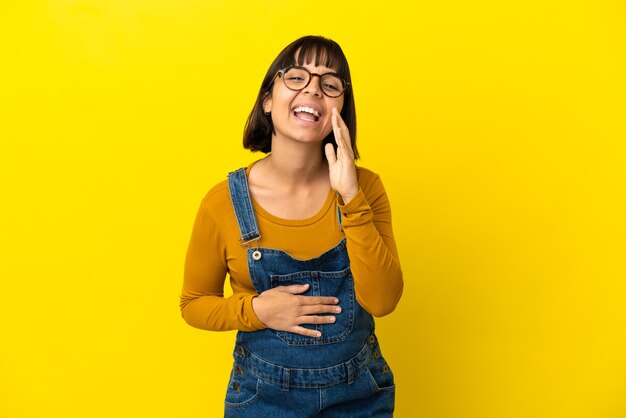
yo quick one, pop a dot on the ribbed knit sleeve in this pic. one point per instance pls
(371, 247)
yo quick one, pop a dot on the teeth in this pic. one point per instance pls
(307, 110)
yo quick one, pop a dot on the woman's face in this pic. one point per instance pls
(303, 115)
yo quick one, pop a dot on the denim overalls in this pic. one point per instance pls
(282, 374)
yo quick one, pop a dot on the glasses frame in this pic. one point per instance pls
(282, 72)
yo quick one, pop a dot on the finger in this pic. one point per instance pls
(317, 319)
(345, 132)
(337, 128)
(305, 331)
(340, 122)
(319, 300)
(294, 289)
(330, 154)
(342, 134)
(319, 309)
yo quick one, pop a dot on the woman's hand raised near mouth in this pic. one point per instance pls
(342, 170)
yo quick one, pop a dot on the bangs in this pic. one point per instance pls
(321, 52)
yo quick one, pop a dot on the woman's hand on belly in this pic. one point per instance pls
(282, 308)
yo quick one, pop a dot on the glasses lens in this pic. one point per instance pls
(296, 78)
(332, 85)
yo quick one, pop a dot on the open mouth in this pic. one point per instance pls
(306, 113)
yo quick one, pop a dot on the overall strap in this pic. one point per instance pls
(339, 220)
(242, 203)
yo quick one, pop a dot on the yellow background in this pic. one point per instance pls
(498, 129)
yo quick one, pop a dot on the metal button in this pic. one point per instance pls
(256, 255)
(240, 350)
(371, 339)
(376, 355)
(385, 369)
(236, 386)
(238, 370)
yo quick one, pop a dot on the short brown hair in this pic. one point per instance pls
(259, 129)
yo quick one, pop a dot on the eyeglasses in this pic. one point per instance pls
(297, 78)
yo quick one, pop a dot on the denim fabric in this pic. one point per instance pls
(282, 374)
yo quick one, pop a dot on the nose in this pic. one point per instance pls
(315, 86)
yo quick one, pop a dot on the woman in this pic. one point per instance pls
(306, 239)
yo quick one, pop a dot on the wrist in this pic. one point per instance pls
(256, 307)
(347, 197)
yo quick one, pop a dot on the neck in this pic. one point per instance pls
(297, 163)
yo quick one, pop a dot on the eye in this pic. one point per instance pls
(332, 87)
(295, 79)
(332, 84)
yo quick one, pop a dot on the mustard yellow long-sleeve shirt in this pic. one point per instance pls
(215, 251)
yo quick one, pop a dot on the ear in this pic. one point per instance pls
(267, 103)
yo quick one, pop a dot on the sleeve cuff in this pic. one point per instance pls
(356, 204)
(254, 320)
(357, 211)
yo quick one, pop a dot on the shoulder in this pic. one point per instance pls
(219, 191)
(217, 200)
(369, 181)
(373, 189)
(365, 174)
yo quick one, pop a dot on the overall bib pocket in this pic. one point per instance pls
(334, 283)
